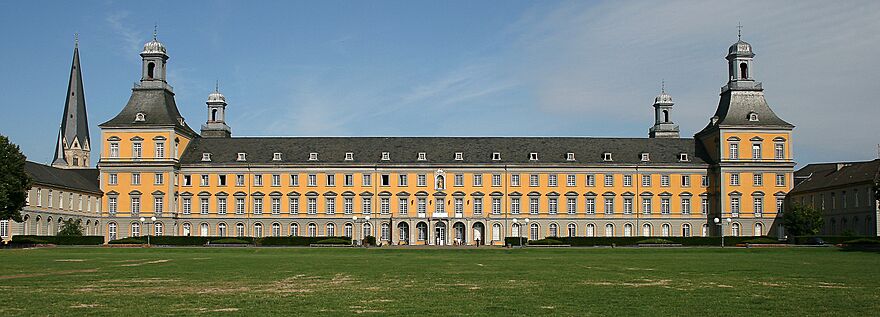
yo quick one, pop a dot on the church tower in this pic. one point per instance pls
(749, 148)
(663, 125)
(216, 126)
(73, 146)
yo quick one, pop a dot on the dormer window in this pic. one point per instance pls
(646, 157)
(683, 157)
(206, 157)
(606, 156)
(422, 156)
(533, 156)
(753, 117)
(349, 156)
(569, 156)
(459, 156)
(242, 157)
(276, 156)
(140, 117)
(313, 156)
(386, 156)
(496, 156)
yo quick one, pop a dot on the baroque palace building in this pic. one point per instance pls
(442, 190)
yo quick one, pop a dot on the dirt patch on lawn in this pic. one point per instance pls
(635, 283)
(302, 283)
(147, 262)
(82, 305)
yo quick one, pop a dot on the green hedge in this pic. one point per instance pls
(369, 240)
(622, 241)
(335, 241)
(827, 239)
(128, 241)
(655, 241)
(546, 241)
(762, 240)
(59, 240)
(862, 241)
(231, 241)
(518, 241)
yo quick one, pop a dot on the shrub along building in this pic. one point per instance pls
(845, 192)
(442, 190)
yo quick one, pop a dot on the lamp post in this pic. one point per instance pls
(720, 223)
(515, 220)
(152, 221)
(527, 227)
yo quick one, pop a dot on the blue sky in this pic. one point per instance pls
(450, 68)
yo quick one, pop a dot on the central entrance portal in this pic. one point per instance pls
(440, 234)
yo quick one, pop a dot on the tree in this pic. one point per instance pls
(802, 220)
(71, 228)
(14, 182)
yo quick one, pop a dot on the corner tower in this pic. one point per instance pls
(749, 148)
(216, 126)
(73, 147)
(663, 125)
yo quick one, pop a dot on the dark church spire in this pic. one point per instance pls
(73, 146)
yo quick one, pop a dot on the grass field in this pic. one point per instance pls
(432, 282)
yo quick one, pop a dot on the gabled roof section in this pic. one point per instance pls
(158, 107)
(831, 175)
(441, 150)
(86, 180)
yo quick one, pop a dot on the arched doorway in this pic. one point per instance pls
(422, 231)
(479, 231)
(440, 233)
(459, 230)
(403, 230)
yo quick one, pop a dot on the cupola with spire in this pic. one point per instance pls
(663, 125)
(155, 59)
(216, 126)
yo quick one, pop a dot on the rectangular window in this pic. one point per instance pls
(664, 180)
(348, 180)
(552, 180)
(313, 180)
(734, 179)
(496, 180)
(348, 203)
(367, 204)
(758, 179)
(571, 205)
(203, 206)
(478, 206)
(685, 206)
(136, 150)
(704, 205)
(276, 205)
(401, 180)
(422, 206)
(533, 180)
(135, 205)
(331, 179)
(590, 206)
(239, 180)
(779, 204)
(552, 206)
(258, 206)
(312, 206)
(734, 206)
(367, 180)
(627, 206)
(609, 205)
(294, 180)
(779, 151)
(685, 181)
(385, 180)
(276, 180)
(459, 207)
(421, 180)
(293, 205)
(496, 206)
(780, 179)
(239, 206)
(111, 204)
(114, 149)
(591, 180)
(514, 180)
(756, 151)
(759, 206)
(514, 206)
(627, 180)
(570, 180)
(664, 206)
(330, 205)
(112, 179)
(439, 205)
(704, 180)
(258, 180)
(646, 206)
(459, 180)
(221, 205)
(158, 204)
(609, 180)
(402, 206)
(160, 149)
(135, 178)
(384, 205)
(221, 180)
(734, 151)
(478, 180)
(533, 205)
(203, 180)
(646, 180)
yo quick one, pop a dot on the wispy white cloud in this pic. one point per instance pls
(131, 39)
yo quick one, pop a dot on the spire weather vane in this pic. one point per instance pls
(739, 31)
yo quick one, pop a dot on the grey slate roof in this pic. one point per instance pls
(826, 175)
(441, 150)
(736, 104)
(159, 108)
(86, 180)
(74, 123)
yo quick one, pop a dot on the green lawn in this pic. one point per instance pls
(432, 282)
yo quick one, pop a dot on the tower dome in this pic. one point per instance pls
(663, 97)
(154, 47)
(740, 48)
(216, 96)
